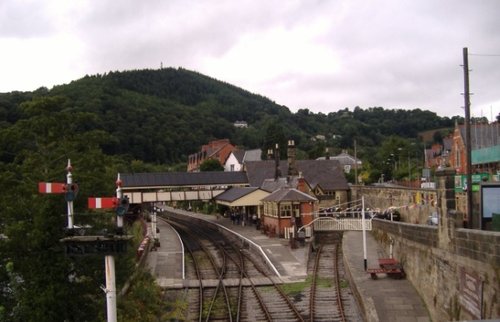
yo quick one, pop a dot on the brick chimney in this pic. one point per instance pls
(277, 172)
(291, 153)
(269, 154)
(301, 184)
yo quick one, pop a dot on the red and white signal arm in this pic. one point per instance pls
(51, 187)
(102, 203)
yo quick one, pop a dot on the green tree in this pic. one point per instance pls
(39, 281)
(211, 165)
(275, 134)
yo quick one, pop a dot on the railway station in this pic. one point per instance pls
(400, 301)
(286, 214)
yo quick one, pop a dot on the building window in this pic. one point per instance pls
(232, 167)
(286, 210)
(271, 209)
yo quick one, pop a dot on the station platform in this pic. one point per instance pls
(385, 299)
(166, 263)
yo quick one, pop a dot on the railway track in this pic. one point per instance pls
(217, 262)
(207, 303)
(326, 271)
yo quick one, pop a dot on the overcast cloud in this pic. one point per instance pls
(321, 55)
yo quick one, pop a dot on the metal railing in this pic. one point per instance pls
(328, 223)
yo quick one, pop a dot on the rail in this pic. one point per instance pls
(244, 240)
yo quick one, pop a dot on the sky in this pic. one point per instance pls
(317, 54)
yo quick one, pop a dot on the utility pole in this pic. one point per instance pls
(365, 261)
(468, 148)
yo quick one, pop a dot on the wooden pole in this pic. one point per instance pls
(365, 261)
(468, 165)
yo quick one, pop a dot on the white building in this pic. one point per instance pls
(237, 158)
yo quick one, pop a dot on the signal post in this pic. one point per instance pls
(88, 242)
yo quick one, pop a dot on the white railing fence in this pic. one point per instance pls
(328, 224)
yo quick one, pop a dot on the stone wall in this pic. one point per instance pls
(435, 271)
(437, 258)
(415, 205)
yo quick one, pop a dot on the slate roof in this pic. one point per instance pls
(328, 174)
(482, 135)
(165, 179)
(289, 194)
(252, 155)
(239, 154)
(271, 185)
(344, 159)
(235, 193)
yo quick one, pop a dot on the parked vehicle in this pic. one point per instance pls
(389, 214)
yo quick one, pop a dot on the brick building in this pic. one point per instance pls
(485, 148)
(217, 150)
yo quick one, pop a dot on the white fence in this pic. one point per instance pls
(328, 224)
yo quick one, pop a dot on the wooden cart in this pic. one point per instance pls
(388, 266)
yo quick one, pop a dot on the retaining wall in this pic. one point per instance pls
(436, 259)
(414, 205)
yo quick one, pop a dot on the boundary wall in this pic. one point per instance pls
(414, 205)
(455, 270)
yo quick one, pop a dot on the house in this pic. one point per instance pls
(485, 148)
(237, 158)
(347, 161)
(287, 208)
(244, 200)
(218, 150)
(297, 187)
(324, 178)
(241, 124)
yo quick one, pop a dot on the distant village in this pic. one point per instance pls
(485, 149)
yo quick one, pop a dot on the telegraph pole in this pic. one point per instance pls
(468, 148)
(365, 261)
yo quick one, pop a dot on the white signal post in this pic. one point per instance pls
(110, 265)
(119, 196)
(365, 262)
(69, 182)
(110, 288)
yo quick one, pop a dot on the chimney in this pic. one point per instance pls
(291, 153)
(269, 154)
(277, 172)
(327, 154)
(301, 183)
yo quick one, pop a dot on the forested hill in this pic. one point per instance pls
(138, 121)
(162, 116)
